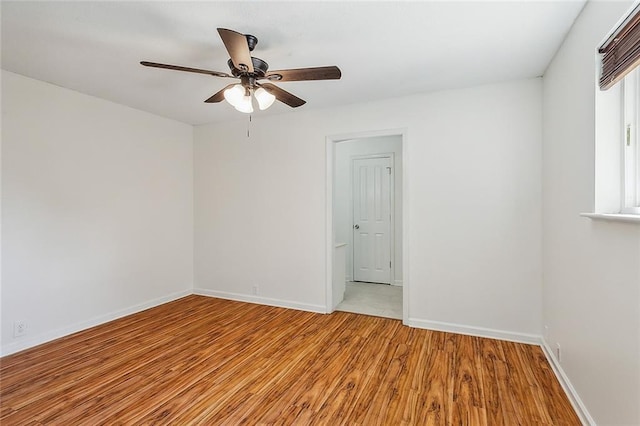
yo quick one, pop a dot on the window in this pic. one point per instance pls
(618, 120)
(630, 179)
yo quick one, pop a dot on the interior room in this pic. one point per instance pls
(199, 262)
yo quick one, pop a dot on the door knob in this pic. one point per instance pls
(356, 226)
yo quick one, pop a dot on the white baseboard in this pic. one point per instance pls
(261, 300)
(26, 343)
(510, 336)
(574, 398)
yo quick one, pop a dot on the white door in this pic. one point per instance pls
(372, 220)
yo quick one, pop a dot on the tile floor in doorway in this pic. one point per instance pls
(379, 300)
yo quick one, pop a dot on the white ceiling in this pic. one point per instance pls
(384, 49)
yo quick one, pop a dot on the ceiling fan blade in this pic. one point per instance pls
(238, 49)
(300, 74)
(219, 96)
(187, 69)
(283, 96)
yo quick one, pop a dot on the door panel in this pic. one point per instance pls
(372, 219)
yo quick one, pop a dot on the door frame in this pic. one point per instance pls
(330, 142)
(392, 221)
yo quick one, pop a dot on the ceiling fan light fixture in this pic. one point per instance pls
(264, 98)
(250, 70)
(244, 105)
(234, 95)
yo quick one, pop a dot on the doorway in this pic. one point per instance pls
(366, 208)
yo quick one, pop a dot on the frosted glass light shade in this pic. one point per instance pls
(244, 105)
(234, 95)
(264, 98)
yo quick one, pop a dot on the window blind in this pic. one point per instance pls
(621, 51)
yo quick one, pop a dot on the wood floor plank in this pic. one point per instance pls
(201, 360)
(491, 354)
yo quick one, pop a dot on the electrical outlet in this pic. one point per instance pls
(558, 352)
(255, 290)
(19, 328)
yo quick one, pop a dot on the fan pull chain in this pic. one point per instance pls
(249, 127)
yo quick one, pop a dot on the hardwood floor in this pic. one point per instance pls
(202, 360)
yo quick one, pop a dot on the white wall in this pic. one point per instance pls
(591, 285)
(1, 209)
(343, 200)
(474, 204)
(97, 210)
(97, 207)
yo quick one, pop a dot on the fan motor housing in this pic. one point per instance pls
(260, 68)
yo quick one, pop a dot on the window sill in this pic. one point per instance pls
(613, 217)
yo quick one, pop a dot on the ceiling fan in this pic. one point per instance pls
(251, 71)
